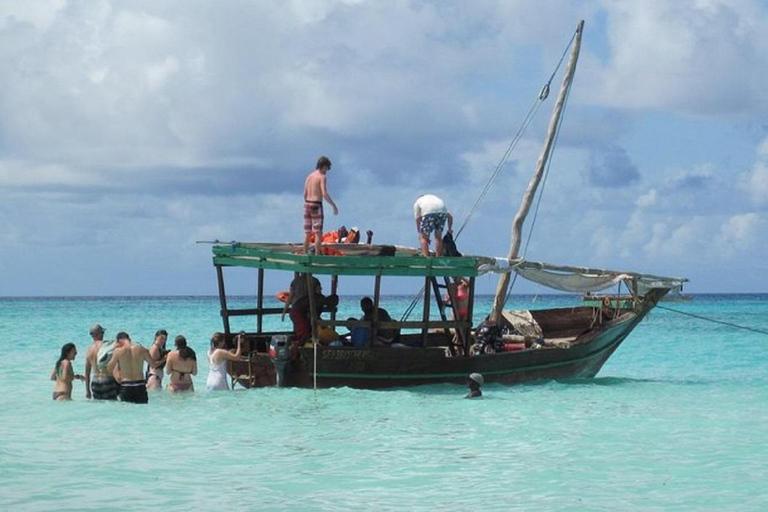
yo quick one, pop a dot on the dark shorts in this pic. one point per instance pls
(105, 389)
(433, 222)
(313, 216)
(134, 392)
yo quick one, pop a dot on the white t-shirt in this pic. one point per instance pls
(427, 204)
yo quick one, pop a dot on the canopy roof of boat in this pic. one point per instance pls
(383, 260)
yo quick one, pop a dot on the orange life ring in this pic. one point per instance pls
(282, 296)
(606, 302)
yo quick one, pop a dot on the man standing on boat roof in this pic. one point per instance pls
(431, 213)
(315, 190)
(103, 386)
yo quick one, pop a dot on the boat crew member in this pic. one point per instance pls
(129, 359)
(384, 337)
(474, 382)
(431, 214)
(297, 305)
(315, 190)
(103, 386)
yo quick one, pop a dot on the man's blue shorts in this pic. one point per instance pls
(433, 222)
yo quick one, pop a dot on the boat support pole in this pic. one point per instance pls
(425, 316)
(223, 299)
(376, 292)
(313, 324)
(470, 314)
(334, 291)
(260, 301)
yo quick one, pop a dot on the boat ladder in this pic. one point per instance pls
(442, 305)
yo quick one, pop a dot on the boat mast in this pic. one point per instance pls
(517, 224)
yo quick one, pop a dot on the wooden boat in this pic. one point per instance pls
(510, 347)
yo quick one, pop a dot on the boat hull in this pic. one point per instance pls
(385, 367)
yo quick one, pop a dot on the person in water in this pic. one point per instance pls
(63, 373)
(102, 385)
(431, 215)
(315, 190)
(181, 365)
(157, 352)
(474, 382)
(218, 356)
(129, 359)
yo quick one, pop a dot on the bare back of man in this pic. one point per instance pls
(315, 190)
(314, 186)
(130, 359)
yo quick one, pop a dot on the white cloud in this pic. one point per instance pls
(647, 200)
(40, 13)
(742, 230)
(700, 57)
(757, 178)
(149, 125)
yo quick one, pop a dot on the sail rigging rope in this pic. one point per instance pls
(729, 324)
(532, 111)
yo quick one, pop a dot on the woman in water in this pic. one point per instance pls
(181, 364)
(218, 356)
(157, 352)
(63, 373)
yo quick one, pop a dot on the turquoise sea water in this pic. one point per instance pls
(676, 420)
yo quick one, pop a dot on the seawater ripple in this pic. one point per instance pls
(676, 420)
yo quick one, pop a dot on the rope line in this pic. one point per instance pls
(502, 162)
(540, 98)
(729, 324)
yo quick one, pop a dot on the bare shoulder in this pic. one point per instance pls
(92, 349)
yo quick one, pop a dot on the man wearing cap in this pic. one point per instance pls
(129, 359)
(474, 382)
(103, 386)
(431, 215)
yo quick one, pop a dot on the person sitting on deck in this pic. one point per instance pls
(384, 337)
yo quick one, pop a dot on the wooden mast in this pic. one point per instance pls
(525, 206)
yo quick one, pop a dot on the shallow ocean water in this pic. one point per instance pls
(675, 420)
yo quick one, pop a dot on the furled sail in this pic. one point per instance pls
(578, 279)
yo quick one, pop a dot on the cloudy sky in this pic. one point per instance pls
(129, 130)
